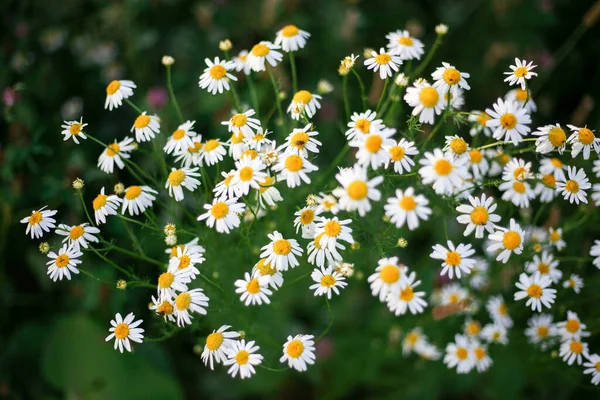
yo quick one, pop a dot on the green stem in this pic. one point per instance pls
(236, 99)
(253, 95)
(134, 255)
(211, 282)
(346, 102)
(106, 259)
(334, 164)
(294, 77)
(363, 96)
(95, 277)
(85, 208)
(172, 96)
(434, 131)
(139, 223)
(136, 108)
(330, 316)
(273, 369)
(277, 99)
(298, 279)
(427, 60)
(385, 85)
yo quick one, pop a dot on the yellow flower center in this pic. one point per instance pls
(357, 190)
(211, 144)
(543, 268)
(520, 173)
(239, 120)
(328, 281)
(299, 140)
(165, 308)
(503, 159)
(405, 41)
(521, 95)
(258, 137)
(480, 353)
(373, 143)
(407, 294)
(542, 331)
(75, 129)
(363, 125)
(214, 341)
(174, 249)
(141, 121)
(412, 338)
(556, 162)
(260, 50)
(408, 203)
(176, 177)
(453, 298)
(282, 247)
(183, 301)
(121, 331)
(237, 138)
(458, 145)
(597, 366)
(184, 262)
(165, 280)
(383, 59)
(264, 185)
(520, 72)
(332, 228)
(502, 310)
(246, 174)
(76, 232)
(572, 186)
(113, 149)
(451, 76)
(303, 96)
(479, 215)
(572, 325)
(99, 202)
(554, 236)
(557, 136)
(429, 97)
(442, 167)
(35, 218)
(586, 137)
(295, 348)
(289, 30)
(397, 153)
(217, 72)
(511, 240)
(250, 153)
(508, 121)
(307, 216)
(196, 147)
(534, 290)
(453, 258)
(113, 87)
(475, 156)
(389, 274)
(549, 180)
(473, 328)
(576, 347)
(317, 240)
(482, 119)
(219, 210)
(242, 357)
(293, 163)
(461, 353)
(133, 192)
(519, 187)
(62, 261)
(265, 268)
(253, 286)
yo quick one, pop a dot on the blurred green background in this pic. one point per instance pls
(56, 58)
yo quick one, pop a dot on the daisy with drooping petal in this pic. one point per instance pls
(551, 137)
(182, 178)
(357, 190)
(495, 333)
(387, 276)
(64, 263)
(545, 265)
(242, 357)
(261, 52)
(536, 289)
(498, 311)
(187, 302)
(137, 199)
(479, 120)
(363, 123)
(171, 281)
(305, 220)
(403, 296)
(546, 188)
(212, 152)
(237, 143)
(510, 240)
(317, 254)
(540, 328)
(478, 216)
(553, 166)
(116, 91)
(241, 62)
(404, 46)
(592, 367)
(224, 213)
(281, 252)
(399, 153)
(443, 171)
(39, 221)
(114, 153)
(105, 205)
(73, 129)
(257, 141)
(509, 120)
(304, 102)
(146, 127)
(383, 62)
(573, 189)
(460, 354)
(449, 79)
(521, 71)
(254, 289)
(372, 147)
(407, 208)
(523, 97)
(268, 193)
(294, 169)
(242, 122)
(334, 231)
(78, 235)
(574, 282)
(555, 238)
(181, 139)
(216, 76)
(426, 101)
(263, 268)
(301, 142)
(328, 280)
(249, 173)
(290, 38)
(573, 350)
(187, 257)
(299, 351)
(216, 344)
(583, 140)
(413, 340)
(456, 259)
(125, 329)
(595, 253)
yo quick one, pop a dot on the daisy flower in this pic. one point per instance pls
(257, 141)
(403, 297)
(78, 235)
(540, 328)
(456, 146)
(572, 328)
(212, 152)
(216, 344)
(357, 190)
(456, 259)
(399, 153)
(363, 123)
(224, 213)
(443, 171)
(116, 91)
(545, 265)
(254, 289)
(237, 144)
(383, 62)
(460, 354)
(299, 351)
(536, 289)
(171, 281)
(387, 276)
(523, 97)
(472, 328)
(517, 192)
(495, 333)
(137, 199)
(305, 219)
(249, 173)
(124, 330)
(482, 359)
(596, 193)
(63, 263)
(216, 76)
(426, 101)
(263, 268)
(592, 367)
(73, 129)
(317, 254)
(241, 62)
(301, 142)
(478, 216)
(304, 102)
(372, 148)
(404, 46)
(574, 188)
(145, 127)
(583, 139)
(290, 38)
(334, 231)
(261, 52)
(546, 189)
(281, 252)
(428, 351)
(163, 308)
(449, 79)
(242, 358)
(39, 221)
(509, 121)
(479, 120)
(181, 139)
(293, 169)
(509, 240)
(574, 282)
(268, 193)
(328, 280)
(113, 155)
(407, 208)
(327, 203)
(551, 137)
(189, 301)
(595, 253)
(187, 257)
(243, 122)
(573, 350)
(520, 72)
(182, 178)
(453, 293)
(105, 205)
(555, 238)
(413, 340)
(498, 311)
(553, 166)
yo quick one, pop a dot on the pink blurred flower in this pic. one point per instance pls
(10, 97)
(157, 97)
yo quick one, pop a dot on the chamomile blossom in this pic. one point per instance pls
(479, 216)
(291, 38)
(545, 265)
(74, 130)
(114, 153)
(523, 97)
(387, 276)
(508, 240)
(318, 255)
(536, 288)
(304, 102)
(404, 46)
(186, 302)
(249, 173)
(241, 62)
(482, 359)
(572, 328)
(372, 147)
(426, 101)
(105, 205)
(574, 188)
(124, 330)
(63, 263)
(517, 192)
(572, 351)
(237, 143)
(173, 281)
(263, 268)
(574, 282)
(592, 366)
(327, 203)
(216, 344)
(299, 351)
(334, 231)
(212, 152)
(261, 52)
(327, 281)
(479, 120)
(187, 258)
(407, 207)
(498, 311)
(495, 333)
(116, 91)
(137, 199)
(456, 146)
(301, 142)
(257, 141)
(223, 214)
(583, 140)
(453, 294)
(164, 308)
(403, 297)
(540, 328)
(509, 121)
(384, 62)
(146, 127)
(362, 124)
(78, 235)
(555, 238)
(443, 171)
(182, 178)
(181, 139)
(267, 192)
(460, 354)
(39, 221)
(551, 137)
(280, 252)
(400, 153)
(520, 72)
(294, 169)
(546, 188)
(243, 122)
(216, 75)
(448, 79)
(305, 220)
(243, 358)
(357, 190)
(456, 259)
